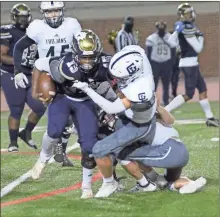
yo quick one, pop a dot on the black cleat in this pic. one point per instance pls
(26, 137)
(59, 153)
(12, 148)
(212, 122)
(66, 161)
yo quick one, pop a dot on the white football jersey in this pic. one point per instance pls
(161, 51)
(53, 41)
(163, 133)
(140, 92)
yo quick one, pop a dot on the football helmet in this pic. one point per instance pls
(87, 49)
(186, 12)
(126, 66)
(53, 12)
(21, 15)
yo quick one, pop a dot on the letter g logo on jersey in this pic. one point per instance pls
(132, 68)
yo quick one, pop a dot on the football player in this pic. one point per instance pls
(53, 36)
(191, 41)
(161, 56)
(87, 63)
(16, 97)
(132, 69)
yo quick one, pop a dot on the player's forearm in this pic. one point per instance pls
(18, 51)
(109, 107)
(196, 43)
(165, 115)
(35, 79)
(173, 40)
(6, 59)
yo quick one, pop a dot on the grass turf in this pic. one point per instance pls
(204, 161)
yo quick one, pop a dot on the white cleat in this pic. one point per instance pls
(150, 186)
(107, 189)
(193, 186)
(86, 193)
(37, 170)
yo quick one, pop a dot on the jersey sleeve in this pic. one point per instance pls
(6, 36)
(33, 30)
(149, 41)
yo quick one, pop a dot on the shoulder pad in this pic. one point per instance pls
(33, 29)
(68, 67)
(140, 90)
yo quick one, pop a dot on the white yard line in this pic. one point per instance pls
(190, 121)
(8, 188)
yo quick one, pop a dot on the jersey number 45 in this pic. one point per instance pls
(51, 51)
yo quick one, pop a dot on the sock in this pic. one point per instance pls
(107, 180)
(87, 178)
(206, 108)
(29, 126)
(64, 144)
(175, 103)
(152, 175)
(13, 134)
(143, 181)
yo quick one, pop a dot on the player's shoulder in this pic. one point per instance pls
(7, 27)
(153, 36)
(70, 20)
(6, 31)
(37, 23)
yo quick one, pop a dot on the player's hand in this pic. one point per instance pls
(179, 26)
(20, 80)
(81, 85)
(43, 100)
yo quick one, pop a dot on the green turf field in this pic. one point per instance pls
(204, 161)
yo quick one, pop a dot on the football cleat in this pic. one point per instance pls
(107, 189)
(26, 137)
(13, 148)
(150, 186)
(212, 122)
(66, 161)
(59, 155)
(37, 169)
(193, 186)
(86, 193)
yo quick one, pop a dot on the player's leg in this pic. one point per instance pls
(165, 75)
(175, 78)
(60, 149)
(38, 109)
(16, 100)
(115, 143)
(86, 122)
(58, 113)
(191, 77)
(204, 102)
(156, 73)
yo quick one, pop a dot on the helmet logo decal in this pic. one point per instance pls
(132, 69)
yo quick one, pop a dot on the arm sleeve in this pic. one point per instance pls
(109, 107)
(6, 37)
(24, 43)
(173, 39)
(106, 91)
(149, 45)
(196, 43)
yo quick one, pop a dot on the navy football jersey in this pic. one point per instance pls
(64, 70)
(9, 37)
(185, 47)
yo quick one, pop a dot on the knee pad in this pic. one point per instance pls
(16, 112)
(87, 161)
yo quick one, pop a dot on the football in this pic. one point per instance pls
(46, 86)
